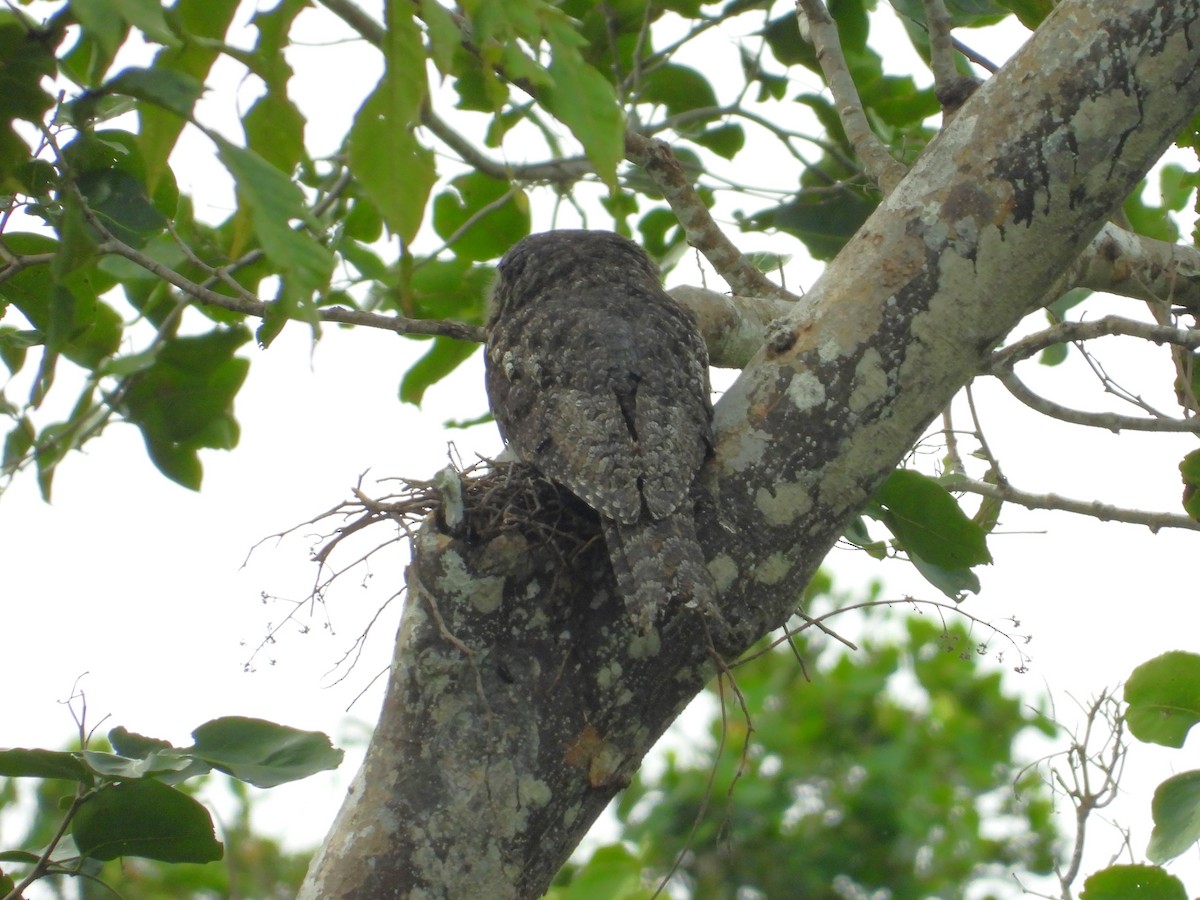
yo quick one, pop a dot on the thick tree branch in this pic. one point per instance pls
(734, 326)
(1121, 262)
(1094, 509)
(463, 795)
(996, 208)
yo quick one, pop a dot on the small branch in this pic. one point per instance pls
(703, 233)
(557, 171)
(350, 13)
(14, 264)
(941, 45)
(1005, 359)
(951, 87)
(1113, 422)
(881, 166)
(1121, 262)
(247, 304)
(734, 326)
(1091, 508)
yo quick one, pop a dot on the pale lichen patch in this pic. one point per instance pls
(609, 674)
(724, 569)
(805, 390)
(773, 569)
(534, 792)
(783, 503)
(484, 593)
(870, 382)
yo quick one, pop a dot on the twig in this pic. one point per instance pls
(951, 87)
(1105, 512)
(881, 166)
(1004, 360)
(1114, 422)
(703, 233)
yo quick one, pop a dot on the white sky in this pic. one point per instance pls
(139, 583)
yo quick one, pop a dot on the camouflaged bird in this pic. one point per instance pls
(600, 380)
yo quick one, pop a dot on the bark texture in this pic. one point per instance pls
(520, 700)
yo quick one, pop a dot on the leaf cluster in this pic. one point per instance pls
(132, 802)
(838, 783)
(108, 267)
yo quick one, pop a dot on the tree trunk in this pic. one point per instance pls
(520, 699)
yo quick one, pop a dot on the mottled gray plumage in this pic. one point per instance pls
(600, 380)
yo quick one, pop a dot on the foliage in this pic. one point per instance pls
(114, 272)
(842, 781)
(131, 801)
(125, 299)
(1164, 703)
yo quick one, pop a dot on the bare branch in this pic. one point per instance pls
(1114, 422)
(951, 87)
(883, 168)
(703, 233)
(734, 327)
(567, 169)
(14, 264)
(1121, 262)
(1105, 512)
(350, 13)
(1005, 359)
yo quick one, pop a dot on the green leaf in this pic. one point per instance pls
(26, 57)
(450, 288)
(183, 400)
(148, 16)
(172, 90)
(147, 819)
(440, 360)
(17, 444)
(583, 100)
(205, 23)
(954, 583)
(19, 763)
(927, 520)
(822, 218)
(274, 200)
(1133, 883)
(263, 753)
(122, 205)
(113, 766)
(1189, 468)
(393, 170)
(489, 223)
(445, 37)
(1030, 12)
(275, 130)
(724, 140)
(1176, 811)
(103, 23)
(133, 745)
(678, 88)
(612, 873)
(1151, 221)
(1164, 698)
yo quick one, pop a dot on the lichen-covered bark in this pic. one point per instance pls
(1000, 204)
(520, 698)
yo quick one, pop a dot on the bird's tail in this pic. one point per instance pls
(659, 565)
